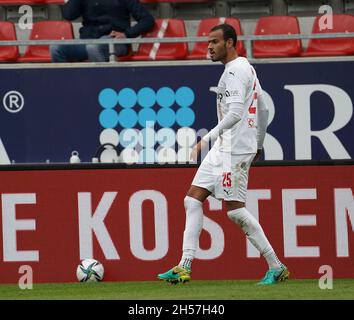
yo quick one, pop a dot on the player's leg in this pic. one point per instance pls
(193, 204)
(235, 199)
(237, 212)
(202, 186)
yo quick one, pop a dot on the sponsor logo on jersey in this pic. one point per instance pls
(233, 93)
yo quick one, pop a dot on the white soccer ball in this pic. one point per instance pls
(90, 270)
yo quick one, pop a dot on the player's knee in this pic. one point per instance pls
(191, 203)
(244, 219)
(236, 216)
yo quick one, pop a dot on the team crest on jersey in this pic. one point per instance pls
(251, 117)
(251, 123)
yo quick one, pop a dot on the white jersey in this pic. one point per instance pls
(238, 83)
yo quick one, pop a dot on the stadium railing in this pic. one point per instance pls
(247, 39)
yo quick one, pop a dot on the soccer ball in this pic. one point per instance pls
(90, 270)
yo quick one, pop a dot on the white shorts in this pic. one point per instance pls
(224, 175)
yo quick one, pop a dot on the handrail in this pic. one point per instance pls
(248, 39)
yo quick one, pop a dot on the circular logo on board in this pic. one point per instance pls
(13, 101)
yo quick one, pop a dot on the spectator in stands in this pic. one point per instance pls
(102, 19)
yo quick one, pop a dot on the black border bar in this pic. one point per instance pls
(89, 165)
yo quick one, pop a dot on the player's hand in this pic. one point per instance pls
(197, 149)
(258, 154)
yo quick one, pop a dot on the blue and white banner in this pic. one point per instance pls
(154, 114)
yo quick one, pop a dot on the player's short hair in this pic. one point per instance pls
(228, 31)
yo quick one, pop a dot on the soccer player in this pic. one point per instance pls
(240, 132)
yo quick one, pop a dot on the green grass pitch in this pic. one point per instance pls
(195, 290)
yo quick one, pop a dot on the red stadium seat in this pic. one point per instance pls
(54, 1)
(200, 49)
(8, 33)
(21, 2)
(332, 47)
(46, 30)
(277, 48)
(161, 51)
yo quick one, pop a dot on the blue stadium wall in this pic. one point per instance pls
(47, 112)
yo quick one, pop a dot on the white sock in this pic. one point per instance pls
(194, 224)
(186, 262)
(272, 260)
(255, 235)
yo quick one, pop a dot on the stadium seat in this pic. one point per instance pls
(332, 47)
(200, 49)
(46, 30)
(273, 25)
(21, 2)
(176, 1)
(54, 1)
(8, 33)
(250, 9)
(162, 51)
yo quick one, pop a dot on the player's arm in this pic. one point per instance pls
(262, 123)
(235, 99)
(232, 117)
(236, 88)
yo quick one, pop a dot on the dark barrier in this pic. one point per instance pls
(47, 113)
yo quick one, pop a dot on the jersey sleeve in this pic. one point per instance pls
(259, 88)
